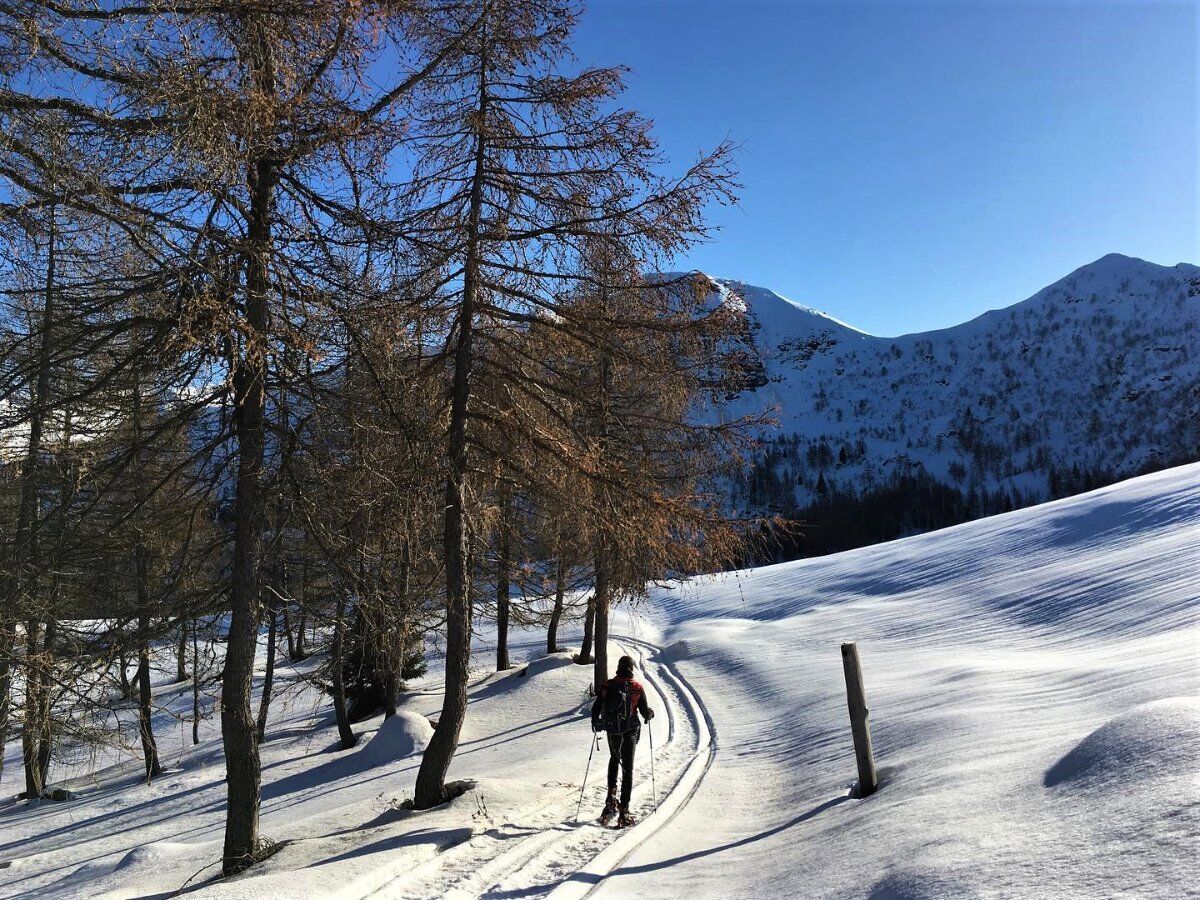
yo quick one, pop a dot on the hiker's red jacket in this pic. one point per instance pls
(637, 702)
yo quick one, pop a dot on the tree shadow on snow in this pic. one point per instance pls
(443, 839)
(322, 777)
(588, 878)
(517, 732)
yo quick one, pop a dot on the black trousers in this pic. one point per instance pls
(620, 753)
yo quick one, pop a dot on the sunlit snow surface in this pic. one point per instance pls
(1032, 679)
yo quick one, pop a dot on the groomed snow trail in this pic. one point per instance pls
(582, 882)
(543, 851)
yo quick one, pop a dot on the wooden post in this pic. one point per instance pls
(856, 699)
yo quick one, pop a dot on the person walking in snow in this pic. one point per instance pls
(615, 712)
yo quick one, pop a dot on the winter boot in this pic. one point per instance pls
(610, 809)
(626, 818)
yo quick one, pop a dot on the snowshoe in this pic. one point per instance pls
(626, 819)
(610, 812)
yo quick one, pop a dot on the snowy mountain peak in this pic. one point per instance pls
(1119, 265)
(1118, 278)
(772, 306)
(1098, 372)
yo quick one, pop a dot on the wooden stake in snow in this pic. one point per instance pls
(856, 698)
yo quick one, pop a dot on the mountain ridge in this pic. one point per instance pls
(825, 315)
(1093, 378)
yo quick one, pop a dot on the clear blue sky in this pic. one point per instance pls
(908, 165)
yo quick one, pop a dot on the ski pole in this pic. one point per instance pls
(583, 787)
(653, 783)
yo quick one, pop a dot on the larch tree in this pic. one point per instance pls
(515, 162)
(364, 348)
(236, 139)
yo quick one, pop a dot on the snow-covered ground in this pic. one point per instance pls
(1033, 682)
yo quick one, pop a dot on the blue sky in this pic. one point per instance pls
(908, 165)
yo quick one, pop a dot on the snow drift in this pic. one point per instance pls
(1155, 740)
(400, 736)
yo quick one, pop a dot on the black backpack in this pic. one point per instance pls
(617, 715)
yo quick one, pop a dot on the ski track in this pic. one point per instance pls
(590, 876)
(546, 853)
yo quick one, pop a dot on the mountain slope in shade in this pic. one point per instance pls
(1099, 372)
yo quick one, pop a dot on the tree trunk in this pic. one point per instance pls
(238, 725)
(24, 571)
(195, 684)
(345, 732)
(287, 630)
(601, 601)
(560, 577)
(46, 741)
(181, 652)
(301, 617)
(31, 733)
(399, 652)
(141, 571)
(8, 644)
(600, 596)
(503, 567)
(391, 687)
(589, 631)
(301, 636)
(145, 709)
(435, 763)
(264, 704)
(123, 672)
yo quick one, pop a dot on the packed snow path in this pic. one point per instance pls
(336, 813)
(529, 856)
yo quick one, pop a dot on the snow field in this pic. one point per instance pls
(992, 652)
(1033, 681)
